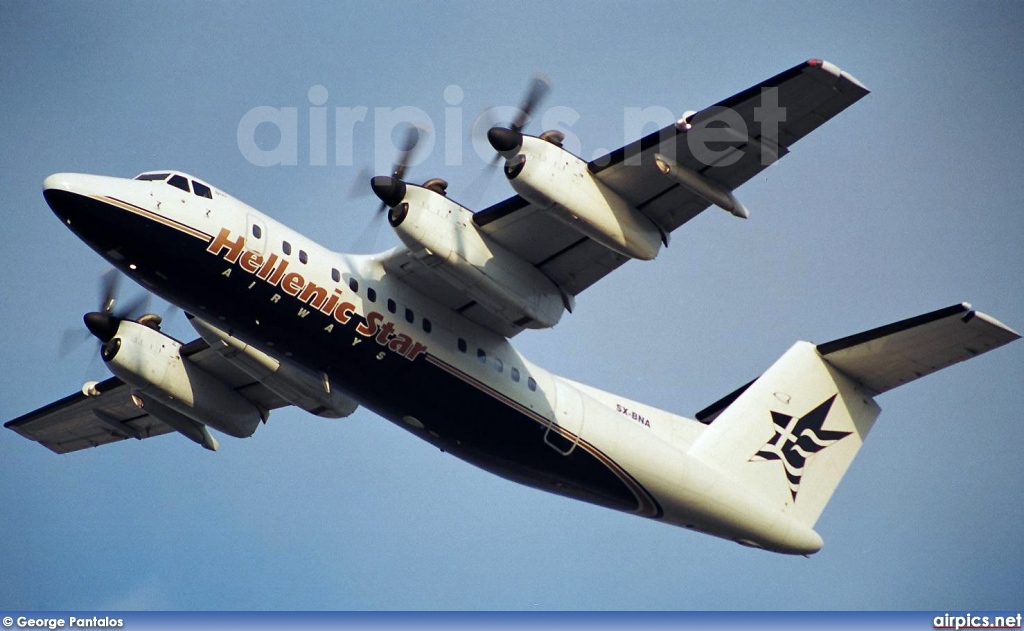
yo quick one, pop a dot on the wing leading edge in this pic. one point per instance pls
(726, 144)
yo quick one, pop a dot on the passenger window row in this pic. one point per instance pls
(353, 284)
(371, 295)
(499, 366)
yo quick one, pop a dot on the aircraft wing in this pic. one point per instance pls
(811, 93)
(79, 420)
(741, 143)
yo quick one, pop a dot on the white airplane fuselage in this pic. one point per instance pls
(341, 319)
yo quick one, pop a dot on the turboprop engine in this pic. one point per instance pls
(442, 237)
(561, 184)
(151, 363)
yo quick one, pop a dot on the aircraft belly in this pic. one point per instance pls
(458, 413)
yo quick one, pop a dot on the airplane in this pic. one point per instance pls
(421, 334)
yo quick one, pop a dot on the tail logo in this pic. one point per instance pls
(797, 439)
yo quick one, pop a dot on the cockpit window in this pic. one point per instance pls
(179, 182)
(202, 190)
(152, 176)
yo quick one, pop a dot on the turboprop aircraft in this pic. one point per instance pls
(420, 334)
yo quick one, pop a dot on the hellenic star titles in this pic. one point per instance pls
(292, 283)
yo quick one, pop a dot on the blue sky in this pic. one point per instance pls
(907, 202)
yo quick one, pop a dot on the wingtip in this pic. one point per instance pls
(1011, 334)
(838, 73)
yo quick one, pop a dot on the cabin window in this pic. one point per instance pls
(410, 317)
(201, 190)
(427, 325)
(515, 375)
(335, 275)
(303, 257)
(498, 364)
(353, 284)
(178, 181)
(257, 231)
(462, 345)
(531, 384)
(392, 307)
(287, 247)
(481, 356)
(371, 293)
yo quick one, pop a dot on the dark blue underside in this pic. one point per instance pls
(469, 422)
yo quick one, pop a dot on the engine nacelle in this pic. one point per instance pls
(442, 236)
(151, 363)
(290, 382)
(561, 184)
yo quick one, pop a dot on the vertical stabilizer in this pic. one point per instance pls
(791, 435)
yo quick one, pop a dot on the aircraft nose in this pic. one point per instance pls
(61, 191)
(56, 182)
(66, 192)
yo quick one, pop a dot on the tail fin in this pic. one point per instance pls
(792, 433)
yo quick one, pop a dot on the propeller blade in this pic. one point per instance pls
(359, 188)
(135, 308)
(367, 239)
(406, 151)
(70, 340)
(109, 283)
(506, 140)
(539, 88)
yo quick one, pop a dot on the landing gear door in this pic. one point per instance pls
(255, 235)
(564, 433)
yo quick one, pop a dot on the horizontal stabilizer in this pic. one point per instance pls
(898, 353)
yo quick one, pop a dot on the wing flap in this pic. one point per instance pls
(79, 421)
(898, 353)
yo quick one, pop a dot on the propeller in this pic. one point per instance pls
(390, 185)
(506, 139)
(103, 324)
(538, 90)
